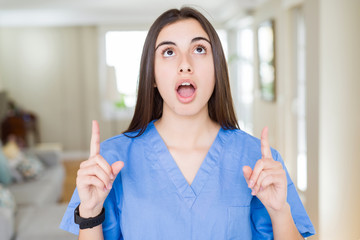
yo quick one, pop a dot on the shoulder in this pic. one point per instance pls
(116, 148)
(237, 137)
(245, 145)
(116, 142)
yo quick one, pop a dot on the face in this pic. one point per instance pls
(184, 68)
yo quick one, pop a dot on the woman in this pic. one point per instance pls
(186, 170)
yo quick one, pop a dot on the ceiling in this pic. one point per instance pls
(108, 12)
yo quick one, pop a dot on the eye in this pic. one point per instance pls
(200, 50)
(168, 52)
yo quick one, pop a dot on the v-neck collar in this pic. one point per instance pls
(167, 162)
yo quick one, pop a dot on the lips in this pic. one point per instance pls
(185, 90)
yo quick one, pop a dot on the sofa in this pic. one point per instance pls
(30, 209)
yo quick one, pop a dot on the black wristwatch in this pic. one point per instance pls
(88, 222)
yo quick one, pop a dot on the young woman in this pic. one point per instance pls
(183, 169)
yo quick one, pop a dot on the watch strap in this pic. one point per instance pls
(91, 222)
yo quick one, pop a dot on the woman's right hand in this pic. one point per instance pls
(95, 177)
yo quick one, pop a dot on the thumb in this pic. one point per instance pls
(116, 167)
(247, 172)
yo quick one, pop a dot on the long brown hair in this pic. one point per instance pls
(149, 104)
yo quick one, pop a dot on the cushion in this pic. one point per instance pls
(13, 155)
(50, 158)
(30, 167)
(5, 171)
(11, 149)
(48, 153)
(23, 165)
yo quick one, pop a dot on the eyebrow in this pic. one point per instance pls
(192, 41)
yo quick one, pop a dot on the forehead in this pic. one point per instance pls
(186, 30)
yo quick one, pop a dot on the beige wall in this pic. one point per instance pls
(339, 119)
(54, 73)
(1, 84)
(311, 14)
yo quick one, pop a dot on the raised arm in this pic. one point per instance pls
(268, 182)
(94, 182)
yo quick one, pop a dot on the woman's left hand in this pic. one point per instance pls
(268, 178)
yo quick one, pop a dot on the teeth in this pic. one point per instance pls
(185, 84)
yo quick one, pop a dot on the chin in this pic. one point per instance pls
(191, 111)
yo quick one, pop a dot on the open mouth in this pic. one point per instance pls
(186, 89)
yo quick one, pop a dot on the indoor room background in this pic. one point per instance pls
(55, 64)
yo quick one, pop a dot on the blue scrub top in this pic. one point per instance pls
(151, 199)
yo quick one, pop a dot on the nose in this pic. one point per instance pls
(185, 69)
(185, 66)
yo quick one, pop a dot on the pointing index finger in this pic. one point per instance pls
(95, 139)
(265, 146)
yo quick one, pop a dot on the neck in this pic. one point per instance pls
(186, 131)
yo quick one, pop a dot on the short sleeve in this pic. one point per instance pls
(261, 222)
(111, 225)
(67, 222)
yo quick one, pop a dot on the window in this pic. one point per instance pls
(224, 41)
(120, 53)
(123, 52)
(246, 77)
(301, 101)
